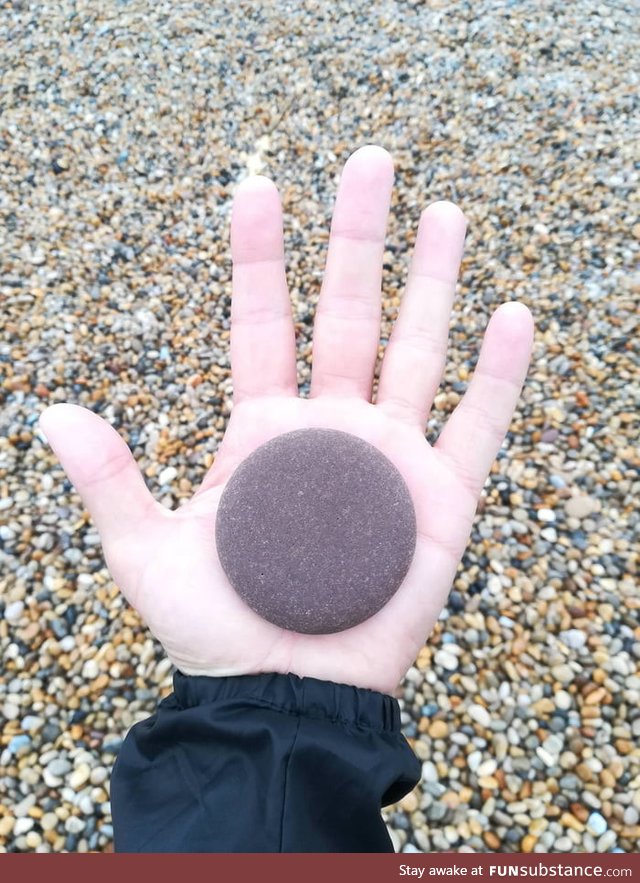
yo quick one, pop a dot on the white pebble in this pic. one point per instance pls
(10, 711)
(429, 772)
(563, 673)
(85, 805)
(98, 775)
(13, 612)
(446, 660)
(487, 768)
(474, 760)
(553, 744)
(545, 757)
(167, 475)
(479, 714)
(580, 507)
(48, 821)
(573, 638)
(596, 824)
(163, 667)
(90, 670)
(621, 665)
(22, 826)
(50, 780)
(631, 816)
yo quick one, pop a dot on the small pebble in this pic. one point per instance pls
(13, 612)
(74, 825)
(80, 776)
(22, 825)
(48, 821)
(606, 841)
(169, 474)
(596, 824)
(563, 673)
(446, 660)
(573, 638)
(480, 715)
(7, 825)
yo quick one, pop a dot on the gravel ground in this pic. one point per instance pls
(124, 128)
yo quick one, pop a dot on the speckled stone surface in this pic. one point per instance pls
(316, 530)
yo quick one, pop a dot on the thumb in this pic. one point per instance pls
(101, 467)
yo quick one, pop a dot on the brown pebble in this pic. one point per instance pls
(342, 512)
(491, 839)
(580, 812)
(585, 772)
(438, 730)
(607, 779)
(409, 802)
(488, 782)
(570, 821)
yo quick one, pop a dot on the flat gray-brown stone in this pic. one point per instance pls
(316, 530)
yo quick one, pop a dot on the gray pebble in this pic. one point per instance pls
(59, 767)
(74, 825)
(631, 816)
(606, 841)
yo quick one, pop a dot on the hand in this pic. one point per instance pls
(165, 562)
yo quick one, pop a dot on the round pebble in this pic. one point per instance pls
(596, 824)
(344, 511)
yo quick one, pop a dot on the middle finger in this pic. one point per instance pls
(346, 330)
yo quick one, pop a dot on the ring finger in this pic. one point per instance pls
(414, 358)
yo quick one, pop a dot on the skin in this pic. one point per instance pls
(165, 562)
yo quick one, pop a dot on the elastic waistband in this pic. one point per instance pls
(289, 693)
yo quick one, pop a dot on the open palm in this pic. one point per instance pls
(165, 562)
